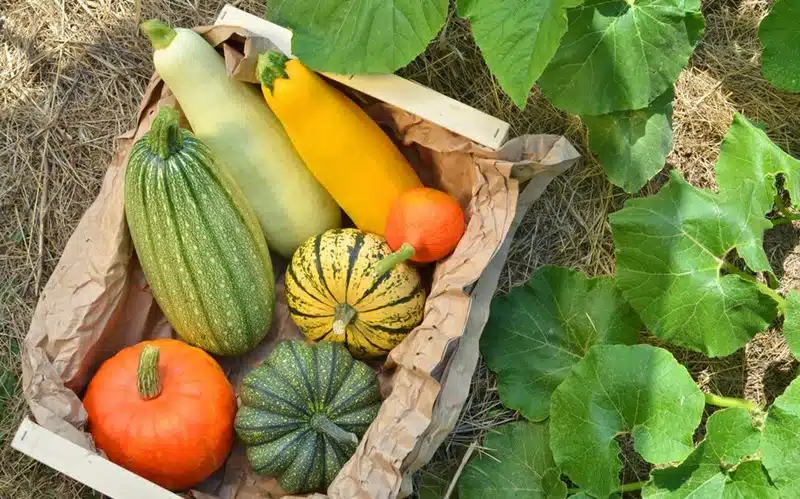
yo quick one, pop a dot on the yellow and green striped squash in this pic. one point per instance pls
(198, 241)
(335, 295)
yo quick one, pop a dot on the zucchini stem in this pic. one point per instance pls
(389, 262)
(344, 315)
(165, 137)
(270, 67)
(320, 422)
(159, 33)
(727, 402)
(147, 381)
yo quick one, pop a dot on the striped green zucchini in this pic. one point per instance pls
(303, 410)
(335, 294)
(198, 241)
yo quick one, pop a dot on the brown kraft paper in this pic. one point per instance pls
(97, 300)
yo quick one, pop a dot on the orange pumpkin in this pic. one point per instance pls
(424, 225)
(164, 410)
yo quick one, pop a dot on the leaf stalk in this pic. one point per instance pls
(780, 300)
(728, 402)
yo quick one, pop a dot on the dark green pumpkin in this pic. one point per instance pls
(198, 241)
(303, 410)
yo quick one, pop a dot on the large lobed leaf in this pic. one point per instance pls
(621, 55)
(670, 250)
(715, 469)
(539, 331)
(632, 145)
(791, 322)
(517, 38)
(780, 445)
(747, 169)
(780, 39)
(357, 36)
(616, 389)
(517, 464)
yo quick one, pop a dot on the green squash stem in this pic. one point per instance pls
(159, 33)
(271, 66)
(344, 315)
(389, 262)
(165, 137)
(147, 381)
(320, 422)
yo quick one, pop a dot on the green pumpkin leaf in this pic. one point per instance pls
(780, 41)
(632, 145)
(353, 36)
(670, 250)
(791, 322)
(517, 38)
(620, 55)
(641, 390)
(747, 169)
(713, 469)
(780, 444)
(538, 331)
(517, 464)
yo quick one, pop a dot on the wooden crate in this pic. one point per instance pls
(117, 482)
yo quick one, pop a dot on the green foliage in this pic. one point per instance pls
(620, 55)
(671, 250)
(780, 445)
(517, 38)
(632, 145)
(517, 464)
(353, 36)
(747, 169)
(791, 323)
(539, 331)
(780, 39)
(641, 390)
(717, 467)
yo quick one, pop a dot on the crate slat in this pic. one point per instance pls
(83, 465)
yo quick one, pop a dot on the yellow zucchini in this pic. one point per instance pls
(345, 149)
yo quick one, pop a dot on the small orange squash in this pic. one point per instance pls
(348, 153)
(424, 225)
(164, 410)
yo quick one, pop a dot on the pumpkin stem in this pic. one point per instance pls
(159, 33)
(389, 262)
(320, 422)
(147, 380)
(271, 66)
(165, 137)
(344, 315)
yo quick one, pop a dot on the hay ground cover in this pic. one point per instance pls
(72, 75)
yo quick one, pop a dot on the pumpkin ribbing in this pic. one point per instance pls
(302, 412)
(335, 294)
(198, 241)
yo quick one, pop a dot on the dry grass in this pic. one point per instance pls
(74, 71)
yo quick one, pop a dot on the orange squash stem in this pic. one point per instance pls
(147, 380)
(389, 262)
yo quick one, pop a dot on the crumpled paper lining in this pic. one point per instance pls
(97, 300)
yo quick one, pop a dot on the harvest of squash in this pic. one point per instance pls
(334, 294)
(230, 117)
(303, 410)
(163, 410)
(198, 241)
(424, 225)
(345, 149)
